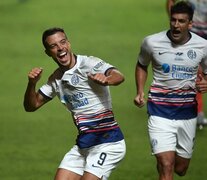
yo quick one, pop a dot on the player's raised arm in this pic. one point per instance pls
(32, 99)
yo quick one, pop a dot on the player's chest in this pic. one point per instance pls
(181, 56)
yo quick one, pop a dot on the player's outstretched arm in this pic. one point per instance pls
(32, 99)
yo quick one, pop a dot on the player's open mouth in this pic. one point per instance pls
(62, 55)
(175, 32)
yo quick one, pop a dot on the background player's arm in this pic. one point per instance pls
(140, 77)
(169, 4)
(201, 83)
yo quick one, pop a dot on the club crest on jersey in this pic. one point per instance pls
(75, 79)
(191, 54)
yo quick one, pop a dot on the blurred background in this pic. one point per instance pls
(33, 144)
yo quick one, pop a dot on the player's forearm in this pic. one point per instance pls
(30, 98)
(115, 77)
(140, 77)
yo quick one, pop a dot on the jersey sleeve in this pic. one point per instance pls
(99, 66)
(49, 90)
(144, 56)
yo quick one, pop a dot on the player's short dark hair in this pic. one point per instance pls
(183, 7)
(49, 32)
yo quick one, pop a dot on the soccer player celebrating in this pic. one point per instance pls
(199, 27)
(82, 85)
(175, 55)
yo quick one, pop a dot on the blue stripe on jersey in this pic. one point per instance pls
(86, 140)
(172, 95)
(97, 128)
(172, 104)
(172, 112)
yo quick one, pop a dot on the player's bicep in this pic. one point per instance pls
(42, 98)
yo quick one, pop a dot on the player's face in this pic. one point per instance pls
(58, 47)
(179, 28)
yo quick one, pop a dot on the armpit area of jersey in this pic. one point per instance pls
(45, 96)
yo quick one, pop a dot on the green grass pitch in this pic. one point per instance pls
(33, 144)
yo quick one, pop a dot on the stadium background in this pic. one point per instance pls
(32, 144)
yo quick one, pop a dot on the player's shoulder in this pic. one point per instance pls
(153, 38)
(198, 39)
(88, 58)
(57, 74)
(157, 36)
(85, 61)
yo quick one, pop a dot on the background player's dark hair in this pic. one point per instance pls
(183, 7)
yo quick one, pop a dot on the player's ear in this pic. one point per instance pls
(47, 52)
(190, 24)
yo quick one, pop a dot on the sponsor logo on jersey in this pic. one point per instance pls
(182, 68)
(166, 68)
(164, 52)
(177, 55)
(76, 100)
(160, 53)
(182, 72)
(178, 71)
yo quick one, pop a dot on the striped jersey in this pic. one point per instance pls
(89, 102)
(172, 93)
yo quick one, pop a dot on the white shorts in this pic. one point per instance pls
(172, 135)
(99, 160)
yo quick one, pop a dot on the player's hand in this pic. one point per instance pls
(201, 84)
(34, 75)
(99, 78)
(139, 100)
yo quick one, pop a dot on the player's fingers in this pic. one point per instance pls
(99, 77)
(199, 77)
(35, 72)
(139, 102)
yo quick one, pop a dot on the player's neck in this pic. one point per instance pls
(73, 60)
